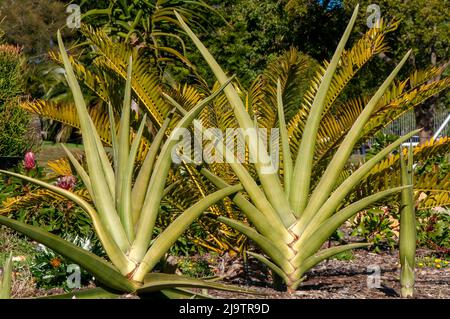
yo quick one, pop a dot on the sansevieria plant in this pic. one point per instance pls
(291, 219)
(407, 240)
(124, 213)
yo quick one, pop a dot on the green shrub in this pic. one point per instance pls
(11, 70)
(15, 137)
(434, 229)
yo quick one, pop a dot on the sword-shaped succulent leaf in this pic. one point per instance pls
(124, 213)
(407, 241)
(292, 219)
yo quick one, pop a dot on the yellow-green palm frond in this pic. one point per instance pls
(293, 69)
(37, 198)
(89, 78)
(403, 103)
(352, 60)
(66, 113)
(385, 174)
(435, 199)
(145, 83)
(60, 167)
(396, 101)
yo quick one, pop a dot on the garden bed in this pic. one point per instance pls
(347, 279)
(332, 279)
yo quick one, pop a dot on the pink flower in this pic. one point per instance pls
(29, 161)
(66, 182)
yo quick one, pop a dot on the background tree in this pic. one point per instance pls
(424, 28)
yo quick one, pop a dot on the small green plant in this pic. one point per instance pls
(15, 137)
(433, 230)
(433, 262)
(378, 226)
(196, 267)
(51, 270)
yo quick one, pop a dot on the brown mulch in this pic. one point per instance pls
(346, 279)
(331, 279)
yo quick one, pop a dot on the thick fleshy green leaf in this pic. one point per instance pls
(153, 197)
(102, 270)
(332, 203)
(6, 278)
(277, 251)
(100, 175)
(340, 158)
(158, 281)
(179, 293)
(267, 174)
(170, 235)
(112, 249)
(287, 157)
(270, 230)
(327, 253)
(313, 237)
(407, 237)
(301, 179)
(125, 208)
(123, 139)
(270, 264)
(143, 178)
(93, 293)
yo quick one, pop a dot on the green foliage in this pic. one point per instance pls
(256, 32)
(434, 229)
(15, 135)
(196, 267)
(378, 142)
(378, 226)
(50, 270)
(433, 261)
(11, 73)
(438, 165)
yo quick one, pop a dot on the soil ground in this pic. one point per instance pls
(332, 279)
(348, 279)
